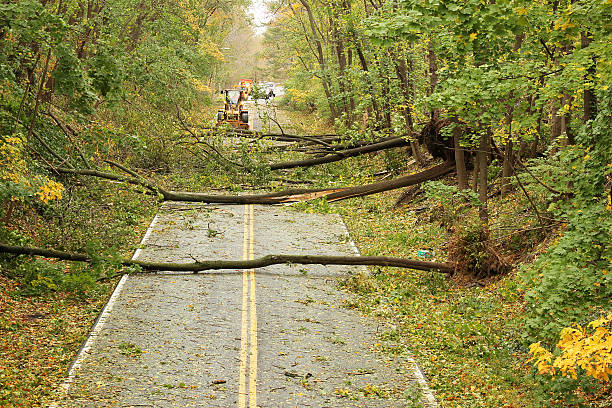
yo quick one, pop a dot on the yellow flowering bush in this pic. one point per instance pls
(17, 181)
(12, 164)
(588, 349)
(50, 190)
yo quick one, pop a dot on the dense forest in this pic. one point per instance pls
(495, 116)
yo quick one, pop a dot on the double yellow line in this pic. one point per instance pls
(248, 337)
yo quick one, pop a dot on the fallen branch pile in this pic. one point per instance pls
(280, 137)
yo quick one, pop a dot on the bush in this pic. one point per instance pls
(572, 280)
(472, 252)
(451, 202)
(38, 276)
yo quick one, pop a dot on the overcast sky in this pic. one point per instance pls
(260, 15)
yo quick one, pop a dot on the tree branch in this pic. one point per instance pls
(69, 136)
(267, 260)
(336, 156)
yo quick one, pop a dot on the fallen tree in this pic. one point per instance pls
(199, 266)
(342, 154)
(279, 197)
(281, 137)
(404, 181)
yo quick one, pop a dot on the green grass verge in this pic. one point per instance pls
(467, 339)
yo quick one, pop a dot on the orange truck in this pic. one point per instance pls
(246, 85)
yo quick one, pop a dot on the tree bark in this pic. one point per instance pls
(405, 181)
(462, 178)
(39, 95)
(475, 173)
(326, 81)
(589, 99)
(483, 153)
(262, 262)
(340, 155)
(408, 94)
(341, 58)
(433, 75)
(508, 167)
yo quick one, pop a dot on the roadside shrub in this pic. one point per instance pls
(580, 350)
(581, 360)
(38, 276)
(572, 280)
(472, 252)
(451, 202)
(154, 157)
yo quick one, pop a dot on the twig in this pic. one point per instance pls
(552, 190)
(528, 197)
(201, 140)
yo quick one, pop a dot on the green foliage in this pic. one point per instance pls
(573, 279)
(318, 205)
(38, 276)
(105, 70)
(253, 161)
(71, 79)
(450, 203)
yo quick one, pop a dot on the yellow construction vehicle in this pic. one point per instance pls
(234, 113)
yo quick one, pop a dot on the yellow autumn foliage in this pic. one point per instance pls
(298, 96)
(588, 348)
(14, 171)
(12, 163)
(50, 190)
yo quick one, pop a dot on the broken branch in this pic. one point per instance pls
(339, 155)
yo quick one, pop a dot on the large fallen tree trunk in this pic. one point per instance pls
(280, 197)
(405, 181)
(268, 260)
(353, 145)
(342, 154)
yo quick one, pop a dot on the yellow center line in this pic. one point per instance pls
(242, 395)
(253, 320)
(248, 319)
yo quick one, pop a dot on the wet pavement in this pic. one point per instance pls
(275, 337)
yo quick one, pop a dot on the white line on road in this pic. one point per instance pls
(427, 394)
(99, 323)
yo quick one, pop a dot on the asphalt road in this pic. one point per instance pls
(276, 337)
(262, 114)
